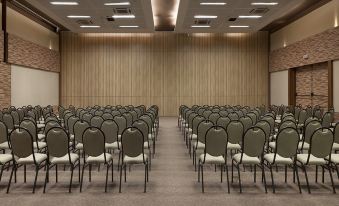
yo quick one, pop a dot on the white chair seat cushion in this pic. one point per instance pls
(99, 159)
(71, 137)
(312, 161)
(233, 146)
(335, 146)
(39, 158)
(64, 159)
(276, 130)
(40, 126)
(305, 147)
(4, 145)
(278, 121)
(300, 125)
(40, 145)
(333, 124)
(194, 137)
(79, 146)
(209, 159)
(135, 160)
(246, 159)
(114, 145)
(119, 137)
(41, 136)
(150, 136)
(272, 145)
(278, 159)
(4, 158)
(146, 145)
(200, 145)
(334, 158)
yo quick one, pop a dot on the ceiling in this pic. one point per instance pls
(172, 15)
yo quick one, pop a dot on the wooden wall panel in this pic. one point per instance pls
(164, 69)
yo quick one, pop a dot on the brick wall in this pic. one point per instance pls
(5, 85)
(319, 48)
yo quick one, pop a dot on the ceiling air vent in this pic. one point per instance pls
(109, 18)
(232, 19)
(259, 11)
(122, 11)
(202, 22)
(84, 22)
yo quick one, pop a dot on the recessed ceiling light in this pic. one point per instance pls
(89, 26)
(213, 3)
(239, 26)
(67, 3)
(264, 3)
(118, 4)
(129, 26)
(205, 17)
(78, 17)
(250, 17)
(200, 26)
(123, 16)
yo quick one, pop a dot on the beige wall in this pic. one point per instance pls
(317, 21)
(336, 85)
(35, 87)
(27, 29)
(279, 88)
(165, 69)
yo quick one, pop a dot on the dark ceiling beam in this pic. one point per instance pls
(304, 9)
(26, 9)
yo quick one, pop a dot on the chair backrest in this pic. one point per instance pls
(132, 142)
(190, 119)
(223, 113)
(206, 113)
(336, 133)
(121, 122)
(247, 122)
(3, 132)
(143, 127)
(50, 124)
(321, 143)
(253, 142)
(96, 121)
(327, 120)
(216, 141)
(253, 116)
(57, 142)
(70, 123)
(223, 121)
(115, 113)
(129, 118)
(21, 142)
(31, 127)
(288, 118)
(79, 127)
(16, 117)
(213, 117)
(302, 116)
(87, 117)
(271, 121)
(149, 121)
(107, 116)
(287, 142)
(310, 119)
(310, 128)
(196, 120)
(134, 115)
(93, 140)
(8, 120)
(110, 129)
(233, 116)
(235, 131)
(264, 125)
(288, 123)
(202, 129)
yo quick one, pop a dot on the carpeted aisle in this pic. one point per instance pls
(172, 182)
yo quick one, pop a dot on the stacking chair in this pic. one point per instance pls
(107, 116)
(253, 116)
(132, 144)
(213, 117)
(151, 133)
(327, 120)
(129, 118)
(31, 127)
(223, 121)
(9, 121)
(87, 117)
(233, 116)
(22, 145)
(193, 138)
(189, 129)
(122, 124)
(285, 151)
(335, 147)
(319, 154)
(4, 144)
(214, 152)
(94, 147)
(110, 129)
(143, 127)
(199, 146)
(235, 132)
(79, 127)
(247, 122)
(308, 131)
(96, 121)
(5, 160)
(252, 150)
(58, 152)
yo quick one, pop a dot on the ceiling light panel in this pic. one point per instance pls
(264, 3)
(205, 17)
(78, 17)
(212, 3)
(127, 3)
(124, 16)
(249, 16)
(65, 3)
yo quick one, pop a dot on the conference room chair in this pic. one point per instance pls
(235, 132)
(319, 154)
(214, 153)
(95, 152)
(23, 153)
(9, 121)
(284, 152)
(193, 138)
(32, 128)
(58, 153)
(310, 127)
(110, 129)
(247, 122)
(151, 133)
(79, 128)
(132, 145)
(252, 150)
(4, 143)
(122, 124)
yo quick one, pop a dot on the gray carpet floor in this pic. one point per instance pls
(172, 182)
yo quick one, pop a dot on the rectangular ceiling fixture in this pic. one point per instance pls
(132, 26)
(250, 17)
(239, 26)
(264, 3)
(78, 17)
(213, 3)
(118, 4)
(205, 17)
(200, 26)
(66, 3)
(89, 26)
(124, 16)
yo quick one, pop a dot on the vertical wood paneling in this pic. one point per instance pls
(164, 69)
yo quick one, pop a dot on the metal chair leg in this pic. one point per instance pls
(272, 179)
(333, 186)
(106, 177)
(70, 184)
(202, 178)
(46, 178)
(297, 174)
(36, 177)
(238, 167)
(10, 178)
(82, 177)
(264, 176)
(308, 186)
(120, 178)
(228, 182)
